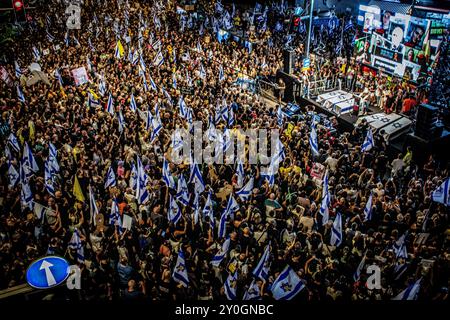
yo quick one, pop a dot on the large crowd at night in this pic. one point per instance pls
(77, 161)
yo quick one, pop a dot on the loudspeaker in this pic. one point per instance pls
(288, 61)
(426, 122)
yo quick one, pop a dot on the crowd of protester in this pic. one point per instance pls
(139, 263)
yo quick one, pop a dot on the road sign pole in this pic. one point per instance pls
(310, 27)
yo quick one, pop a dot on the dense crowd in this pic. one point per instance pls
(139, 263)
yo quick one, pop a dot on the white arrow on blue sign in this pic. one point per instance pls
(47, 272)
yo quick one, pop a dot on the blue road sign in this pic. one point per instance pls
(47, 272)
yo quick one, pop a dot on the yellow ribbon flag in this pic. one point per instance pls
(32, 129)
(77, 193)
(119, 50)
(96, 97)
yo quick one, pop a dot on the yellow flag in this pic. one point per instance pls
(94, 94)
(32, 129)
(78, 194)
(119, 50)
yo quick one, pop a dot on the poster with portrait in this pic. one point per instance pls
(80, 76)
(415, 35)
(368, 21)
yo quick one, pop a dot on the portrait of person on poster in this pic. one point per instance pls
(416, 33)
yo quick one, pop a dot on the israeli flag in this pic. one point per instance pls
(20, 95)
(93, 209)
(253, 292)
(48, 176)
(142, 194)
(397, 246)
(442, 194)
(17, 69)
(410, 293)
(336, 231)
(208, 211)
(230, 286)
(90, 45)
(280, 116)
(324, 210)
(224, 111)
(182, 107)
(52, 154)
(196, 178)
(270, 172)
(174, 81)
(199, 47)
(325, 190)
(133, 177)
(133, 105)
(92, 103)
(77, 43)
(159, 60)
(182, 191)
(29, 158)
(245, 193)
(75, 243)
(36, 54)
(114, 216)
(359, 270)
(313, 140)
(202, 73)
(240, 174)
(196, 208)
(368, 209)
(167, 176)
(221, 74)
(13, 175)
(102, 88)
(121, 122)
(168, 97)
(177, 141)
(12, 140)
(402, 252)
(144, 82)
(110, 178)
(287, 285)
(221, 254)
(141, 62)
(179, 274)
(156, 127)
(232, 205)
(223, 224)
(278, 154)
(26, 197)
(152, 83)
(262, 269)
(110, 105)
(231, 118)
(368, 141)
(174, 214)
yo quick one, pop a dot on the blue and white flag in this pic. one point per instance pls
(442, 193)
(324, 210)
(12, 140)
(336, 231)
(313, 140)
(156, 127)
(152, 83)
(121, 121)
(92, 102)
(90, 45)
(174, 214)
(262, 269)
(75, 244)
(208, 211)
(133, 105)
(52, 157)
(368, 141)
(253, 292)
(168, 97)
(182, 107)
(36, 54)
(199, 47)
(174, 81)
(223, 224)
(230, 286)
(58, 76)
(287, 285)
(221, 254)
(13, 176)
(360, 269)
(142, 194)
(141, 63)
(66, 39)
(202, 73)
(110, 105)
(114, 216)
(110, 178)
(240, 174)
(232, 205)
(182, 191)
(280, 116)
(20, 95)
(196, 208)
(245, 193)
(410, 293)
(93, 209)
(159, 59)
(167, 176)
(17, 69)
(196, 178)
(230, 118)
(50, 37)
(28, 158)
(180, 274)
(368, 209)
(221, 74)
(102, 88)
(133, 177)
(48, 178)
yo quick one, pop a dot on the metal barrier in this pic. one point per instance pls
(267, 89)
(314, 88)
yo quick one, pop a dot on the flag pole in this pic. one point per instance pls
(310, 27)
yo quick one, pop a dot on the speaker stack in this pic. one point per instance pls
(288, 61)
(427, 126)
